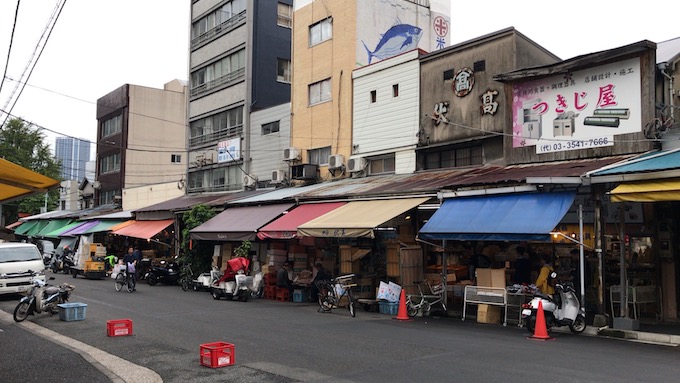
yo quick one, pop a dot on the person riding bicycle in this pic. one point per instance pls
(130, 263)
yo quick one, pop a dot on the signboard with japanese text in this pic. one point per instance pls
(229, 150)
(579, 110)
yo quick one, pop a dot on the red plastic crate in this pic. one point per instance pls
(119, 327)
(217, 354)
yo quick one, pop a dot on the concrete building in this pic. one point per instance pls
(332, 39)
(141, 139)
(240, 75)
(73, 153)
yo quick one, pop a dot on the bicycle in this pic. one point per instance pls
(124, 278)
(421, 301)
(331, 293)
(186, 277)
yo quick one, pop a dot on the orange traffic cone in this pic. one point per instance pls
(540, 328)
(402, 314)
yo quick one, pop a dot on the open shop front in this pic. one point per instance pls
(498, 239)
(153, 238)
(372, 239)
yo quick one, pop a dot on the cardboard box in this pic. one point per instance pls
(491, 277)
(488, 314)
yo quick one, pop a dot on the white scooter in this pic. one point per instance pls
(236, 284)
(563, 309)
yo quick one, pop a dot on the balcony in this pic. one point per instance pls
(231, 132)
(238, 74)
(210, 34)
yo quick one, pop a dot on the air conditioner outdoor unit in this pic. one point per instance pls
(336, 161)
(277, 176)
(291, 154)
(249, 181)
(356, 164)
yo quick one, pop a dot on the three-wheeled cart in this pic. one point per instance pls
(91, 265)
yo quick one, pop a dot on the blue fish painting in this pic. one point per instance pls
(398, 39)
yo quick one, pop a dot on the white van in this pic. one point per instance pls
(18, 262)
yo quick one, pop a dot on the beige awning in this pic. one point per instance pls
(647, 191)
(358, 218)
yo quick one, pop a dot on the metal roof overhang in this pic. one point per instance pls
(647, 191)
(648, 166)
(17, 181)
(142, 229)
(509, 217)
(238, 223)
(358, 218)
(286, 226)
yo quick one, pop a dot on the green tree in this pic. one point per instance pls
(200, 254)
(24, 145)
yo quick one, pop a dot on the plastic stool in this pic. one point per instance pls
(282, 294)
(270, 292)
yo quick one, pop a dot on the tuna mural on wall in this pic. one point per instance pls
(398, 39)
(387, 28)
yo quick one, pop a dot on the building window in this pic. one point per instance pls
(283, 71)
(395, 90)
(374, 96)
(285, 15)
(112, 126)
(222, 125)
(319, 156)
(110, 164)
(107, 197)
(452, 158)
(320, 32)
(215, 180)
(224, 71)
(320, 92)
(175, 158)
(381, 165)
(217, 21)
(270, 128)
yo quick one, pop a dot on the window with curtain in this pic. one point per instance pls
(320, 92)
(320, 32)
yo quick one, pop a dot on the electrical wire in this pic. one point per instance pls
(11, 40)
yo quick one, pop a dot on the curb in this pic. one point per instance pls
(647, 337)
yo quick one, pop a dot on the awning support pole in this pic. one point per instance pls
(582, 258)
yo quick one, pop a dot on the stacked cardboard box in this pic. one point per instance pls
(488, 314)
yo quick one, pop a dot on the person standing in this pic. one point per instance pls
(283, 280)
(543, 280)
(321, 275)
(137, 255)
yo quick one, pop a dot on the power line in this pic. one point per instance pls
(11, 40)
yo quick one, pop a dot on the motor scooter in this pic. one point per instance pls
(234, 282)
(42, 298)
(562, 309)
(167, 273)
(62, 262)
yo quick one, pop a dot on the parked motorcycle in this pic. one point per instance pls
(234, 282)
(562, 309)
(167, 273)
(42, 298)
(62, 262)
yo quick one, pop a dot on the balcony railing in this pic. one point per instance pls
(228, 78)
(209, 34)
(230, 132)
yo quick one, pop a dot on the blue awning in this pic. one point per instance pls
(510, 217)
(653, 162)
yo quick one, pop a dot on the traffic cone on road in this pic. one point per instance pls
(540, 328)
(402, 314)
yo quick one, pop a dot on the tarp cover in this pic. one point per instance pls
(510, 217)
(238, 223)
(286, 226)
(358, 218)
(647, 191)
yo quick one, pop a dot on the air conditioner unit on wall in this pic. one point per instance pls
(278, 176)
(291, 154)
(336, 161)
(249, 181)
(356, 164)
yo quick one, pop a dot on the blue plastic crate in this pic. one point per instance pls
(298, 297)
(386, 307)
(72, 311)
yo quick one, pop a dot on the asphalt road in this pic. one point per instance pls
(292, 342)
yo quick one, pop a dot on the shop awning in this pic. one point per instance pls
(358, 218)
(11, 226)
(39, 225)
(25, 227)
(57, 232)
(286, 226)
(647, 191)
(510, 217)
(238, 223)
(80, 229)
(103, 226)
(143, 229)
(123, 224)
(53, 224)
(17, 181)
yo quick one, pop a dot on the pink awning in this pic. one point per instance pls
(143, 229)
(286, 226)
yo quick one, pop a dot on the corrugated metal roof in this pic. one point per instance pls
(649, 162)
(185, 202)
(667, 51)
(278, 194)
